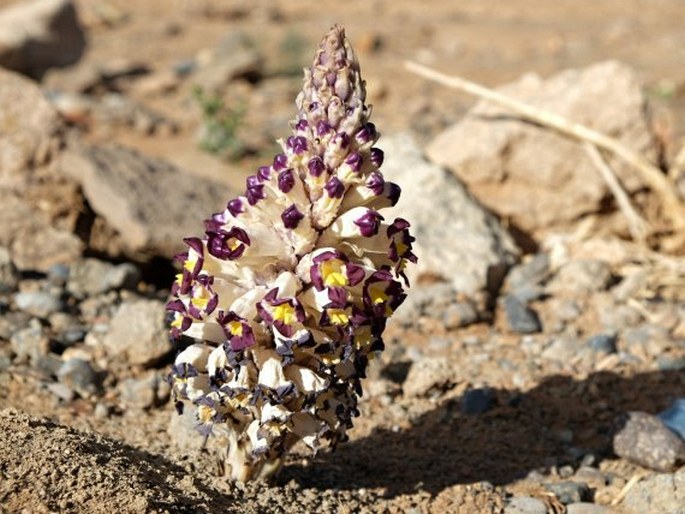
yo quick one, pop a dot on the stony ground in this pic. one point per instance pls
(532, 366)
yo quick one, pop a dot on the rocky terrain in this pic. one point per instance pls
(538, 363)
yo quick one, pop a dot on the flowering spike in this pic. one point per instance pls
(289, 290)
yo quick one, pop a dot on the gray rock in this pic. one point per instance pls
(459, 315)
(428, 299)
(602, 343)
(587, 508)
(40, 34)
(91, 277)
(674, 417)
(563, 348)
(429, 375)
(141, 393)
(645, 440)
(456, 238)
(79, 375)
(532, 272)
(95, 309)
(149, 202)
(138, 332)
(30, 343)
(521, 318)
(529, 293)
(591, 476)
(58, 274)
(506, 162)
(581, 277)
(61, 391)
(48, 364)
(67, 328)
(38, 303)
(28, 127)
(235, 56)
(525, 505)
(663, 493)
(8, 273)
(11, 322)
(569, 491)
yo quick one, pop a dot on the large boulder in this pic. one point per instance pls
(150, 203)
(532, 175)
(457, 239)
(38, 35)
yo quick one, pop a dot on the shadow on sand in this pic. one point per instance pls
(520, 433)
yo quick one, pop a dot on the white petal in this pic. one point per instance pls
(305, 379)
(217, 360)
(196, 355)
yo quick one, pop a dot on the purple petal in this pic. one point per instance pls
(366, 133)
(376, 156)
(316, 166)
(235, 207)
(335, 188)
(280, 162)
(392, 192)
(369, 223)
(297, 144)
(354, 161)
(323, 127)
(264, 173)
(291, 217)
(375, 183)
(196, 244)
(286, 180)
(355, 273)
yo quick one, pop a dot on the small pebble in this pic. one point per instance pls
(591, 476)
(139, 393)
(525, 505)
(670, 363)
(569, 492)
(58, 274)
(61, 391)
(531, 273)
(582, 276)
(30, 343)
(521, 318)
(459, 315)
(102, 410)
(477, 401)
(645, 440)
(674, 417)
(79, 375)
(38, 303)
(602, 343)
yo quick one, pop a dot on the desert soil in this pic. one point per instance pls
(416, 446)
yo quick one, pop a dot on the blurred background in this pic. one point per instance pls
(541, 314)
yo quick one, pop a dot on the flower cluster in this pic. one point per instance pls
(288, 292)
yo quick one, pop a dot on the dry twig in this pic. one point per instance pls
(674, 208)
(638, 226)
(626, 488)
